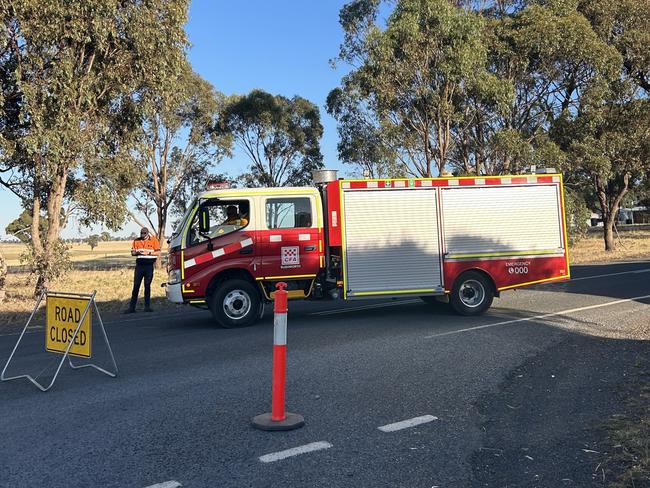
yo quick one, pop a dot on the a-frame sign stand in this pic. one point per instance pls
(68, 331)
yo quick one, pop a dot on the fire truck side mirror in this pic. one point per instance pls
(204, 220)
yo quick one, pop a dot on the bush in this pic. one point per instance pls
(577, 215)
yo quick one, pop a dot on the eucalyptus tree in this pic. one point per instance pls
(412, 75)
(362, 141)
(550, 57)
(176, 144)
(279, 135)
(611, 149)
(73, 74)
(608, 139)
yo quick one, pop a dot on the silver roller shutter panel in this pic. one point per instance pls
(391, 240)
(481, 220)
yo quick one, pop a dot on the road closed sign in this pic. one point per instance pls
(63, 316)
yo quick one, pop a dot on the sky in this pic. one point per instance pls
(280, 46)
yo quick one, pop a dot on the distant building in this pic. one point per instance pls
(625, 216)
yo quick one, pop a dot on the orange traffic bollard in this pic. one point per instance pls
(279, 419)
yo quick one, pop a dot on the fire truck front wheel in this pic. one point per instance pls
(235, 303)
(472, 293)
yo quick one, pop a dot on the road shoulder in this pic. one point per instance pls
(545, 424)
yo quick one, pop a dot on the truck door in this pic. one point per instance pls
(231, 242)
(290, 241)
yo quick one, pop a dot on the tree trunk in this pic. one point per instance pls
(160, 233)
(3, 277)
(37, 242)
(609, 205)
(44, 252)
(608, 230)
(41, 284)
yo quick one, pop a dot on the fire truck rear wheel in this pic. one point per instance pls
(472, 294)
(235, 303)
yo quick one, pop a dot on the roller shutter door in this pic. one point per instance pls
(500, 220)
(391, 241)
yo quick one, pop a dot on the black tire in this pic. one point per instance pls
(235, 303)
(472, 293)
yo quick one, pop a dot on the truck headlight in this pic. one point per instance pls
(174, 277)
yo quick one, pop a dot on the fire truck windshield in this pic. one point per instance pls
(226, 216)
(183, 221)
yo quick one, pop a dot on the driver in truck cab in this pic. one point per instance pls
(233, 217)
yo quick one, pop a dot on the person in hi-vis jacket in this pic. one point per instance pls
(146, 250)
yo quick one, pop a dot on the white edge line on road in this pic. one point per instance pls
(166, 484)
(364, 307)
(608, 274)
(294, 451)
(537, 317)
(405, 424)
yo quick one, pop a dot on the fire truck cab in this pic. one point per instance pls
(234, 245)
(462, 240)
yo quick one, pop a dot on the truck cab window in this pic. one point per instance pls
(288, 213)
(225, 217)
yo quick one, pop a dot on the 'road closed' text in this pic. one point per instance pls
(64, 314)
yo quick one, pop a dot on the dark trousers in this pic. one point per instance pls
(142, 272)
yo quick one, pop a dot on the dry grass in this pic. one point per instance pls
(113, 292)
(111, 253)
(629, 245)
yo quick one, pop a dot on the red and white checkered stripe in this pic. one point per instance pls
(443, 182)
(301, 237)
(209, 256)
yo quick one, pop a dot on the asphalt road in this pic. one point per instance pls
(506, 399)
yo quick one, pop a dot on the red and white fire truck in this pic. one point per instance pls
(461, 240)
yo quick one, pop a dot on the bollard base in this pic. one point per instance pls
(290, 422)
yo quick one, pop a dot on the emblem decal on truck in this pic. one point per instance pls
(289, 256)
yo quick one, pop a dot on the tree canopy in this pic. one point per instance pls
(280, 136)
(177, 146)
(73, 79)
(496, 87)
(411, 79)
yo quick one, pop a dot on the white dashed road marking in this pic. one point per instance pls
(537, 317)
(166, 484)
(295, 451)
(405, 424)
